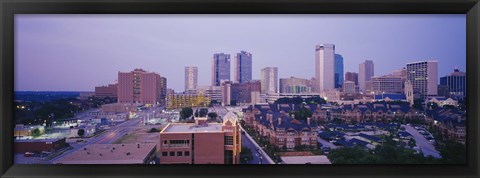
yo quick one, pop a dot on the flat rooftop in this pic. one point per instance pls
(109, 154)
(322, 159)
(192, 128)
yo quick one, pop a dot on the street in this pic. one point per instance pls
(426, 147)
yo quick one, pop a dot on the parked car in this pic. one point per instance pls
(29, 154)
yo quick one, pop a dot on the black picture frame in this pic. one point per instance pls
(11, 7)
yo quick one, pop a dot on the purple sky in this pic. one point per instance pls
(79, 52)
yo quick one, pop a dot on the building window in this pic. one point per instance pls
(228, 140)
(179, 143)
(179, 153)
(187, 153)
(164, 153)
(164, 143)
(172, 153)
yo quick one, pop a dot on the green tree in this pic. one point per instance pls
(411, 143)
(246, 155)
(36, 132)
(212, 115)
(81, 132)
(302, 114)
(186, 113)
(417, 104)
(454, 153)
(202, 112)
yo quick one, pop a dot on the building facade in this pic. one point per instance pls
(352, 76)
(269, 80)
(456, 83)
(201, 142)
(349, 87)
(139, 87)
(295, 85)
(272, 121)
(387, 84)
(220, 68)
(241, 93)
(109, 91)
(243, 67)
(424, 77)
(324, 67)
(178, 101)
(191, 78)
(366, 72)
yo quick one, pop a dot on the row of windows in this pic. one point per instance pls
(228, 140)
(179, 153)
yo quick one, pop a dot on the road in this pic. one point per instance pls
(256, 157)
(426, 147)
(107, 137)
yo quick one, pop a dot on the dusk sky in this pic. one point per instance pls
(79, 52)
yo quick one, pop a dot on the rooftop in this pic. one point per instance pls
(192, 128)
(109, 154)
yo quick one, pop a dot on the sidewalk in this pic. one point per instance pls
(265, 155)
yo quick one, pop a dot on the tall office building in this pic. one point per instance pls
(423, 76)
(139, 86)
(352, 76)
(243, 67)
(163, 90)
(456, 83)
(324, 67)
(366, 72)
(191, 78)
(338, 71)
(269, 80)
(220, 68)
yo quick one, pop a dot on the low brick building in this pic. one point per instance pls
(38, 145)
(201, 142)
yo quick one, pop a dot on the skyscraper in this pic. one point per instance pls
(269, 80)
(352, 76)
(191, 78)
(243, 67)
(139, 86)
(456, 83)
(366, 71)
(338, 71)
(423, 76)
(220, 68)
(324, 67)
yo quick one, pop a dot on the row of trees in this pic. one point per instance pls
(187, 112)
(391, 153)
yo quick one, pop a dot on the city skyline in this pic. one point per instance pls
(71, 45)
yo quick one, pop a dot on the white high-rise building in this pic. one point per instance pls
(191, 78)
(269, 80)
(220, 68)
(243, 67)
(325, 67)
(408, 91)
(424, 77)
(366, 72)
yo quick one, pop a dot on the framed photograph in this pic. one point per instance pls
(239, 88)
